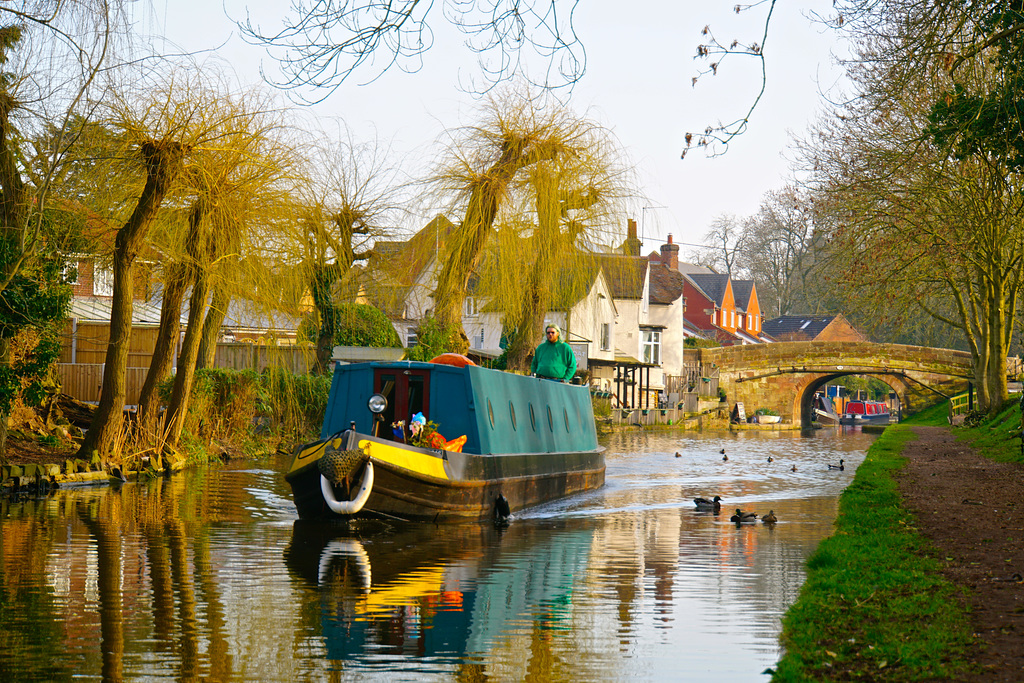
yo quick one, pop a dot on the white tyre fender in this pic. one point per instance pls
(349, 507)
(343, 549)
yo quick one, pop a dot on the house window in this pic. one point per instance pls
(411, 337)
(732, 318)
(651, 340)
(471, 309)
(606, 336)
(102, 281)
(69, 273)
(480, 339)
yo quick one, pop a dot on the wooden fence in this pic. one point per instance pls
(84, 380)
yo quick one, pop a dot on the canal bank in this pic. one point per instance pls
(921, 579)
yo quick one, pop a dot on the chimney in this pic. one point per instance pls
(631, 247)
(670, 254)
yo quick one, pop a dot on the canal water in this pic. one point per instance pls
(210, 576)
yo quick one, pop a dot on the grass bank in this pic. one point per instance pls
(875, 605)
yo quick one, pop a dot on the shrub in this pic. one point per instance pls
(355, 325)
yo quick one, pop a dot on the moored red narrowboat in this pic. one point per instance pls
(865, 412)
(489, 443)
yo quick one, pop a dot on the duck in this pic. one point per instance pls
(722, 451)
(678, 454)
(741, 516)
(705, 504)
(793, 468)
(837, 467)
(770, 459)
(725, 458)
(770, 518)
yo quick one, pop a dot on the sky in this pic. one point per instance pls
(637, 83)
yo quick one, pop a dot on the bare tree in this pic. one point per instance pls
(777, 249)
(728, 236)
(322, 44)
(923, 204)
(350, 198)
(51, 54)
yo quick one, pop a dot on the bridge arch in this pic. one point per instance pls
(784, 376)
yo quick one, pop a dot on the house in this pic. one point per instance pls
(400, 277)
(636, 369)
(812, 328)
(717, 307)
(587, 319)
(668, 307)
(711, 306)
(748, 310)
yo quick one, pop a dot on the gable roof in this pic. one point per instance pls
(801, 326)
(625, 274)
(741, 291)
(714, 285)
(692, 268)
(395, 266)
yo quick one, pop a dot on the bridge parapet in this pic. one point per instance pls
(784, 376)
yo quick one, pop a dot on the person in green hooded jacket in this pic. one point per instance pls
(553, 359)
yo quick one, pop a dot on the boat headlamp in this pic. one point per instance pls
(377, 404)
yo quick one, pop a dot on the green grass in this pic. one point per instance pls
(999, 437)
(875, 606)
(932, 417)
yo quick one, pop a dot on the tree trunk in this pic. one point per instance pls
(177, 408)
(162, 161)
(5, 362)
(323, 277)
(211, 327)
(537, 298)
(467, 242)
(177, 282)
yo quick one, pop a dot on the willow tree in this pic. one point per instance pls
(571, 201)
(161, 129)
(922, 183)
(482, 169)
(238, 179)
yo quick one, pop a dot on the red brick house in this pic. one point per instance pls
(812, 328)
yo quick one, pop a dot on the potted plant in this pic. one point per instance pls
(767, 416)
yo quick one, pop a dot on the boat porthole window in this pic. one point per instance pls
(551, 422)
(566, 413)
(512, 413)
(533, 419)
(490, 412)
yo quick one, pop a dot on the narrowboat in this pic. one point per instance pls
(499, 442)
(824, 411)
(865, 413)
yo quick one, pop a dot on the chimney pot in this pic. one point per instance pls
(670, 254)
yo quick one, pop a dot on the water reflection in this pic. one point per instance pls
(210, 576)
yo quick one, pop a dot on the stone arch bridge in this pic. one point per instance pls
(785, 375)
